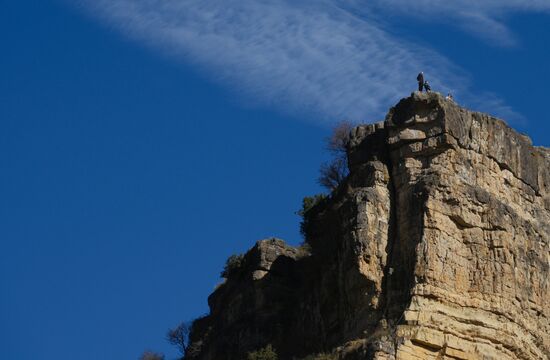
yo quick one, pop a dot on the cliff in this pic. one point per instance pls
(436, 247)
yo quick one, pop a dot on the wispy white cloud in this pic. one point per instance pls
(314, 57)
(484, 18)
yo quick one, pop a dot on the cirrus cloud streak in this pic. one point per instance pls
(319, 58)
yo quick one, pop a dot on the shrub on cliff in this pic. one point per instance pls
(333, 173)
(179, 337)
(267, 353)
(308, 203)
(232, 265)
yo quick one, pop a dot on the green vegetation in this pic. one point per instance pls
(232, 265)
(332, 174)
(319, 357)
(304, 250)
(267, 353)
(308, 203)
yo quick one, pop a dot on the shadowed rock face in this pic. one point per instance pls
(436, 247)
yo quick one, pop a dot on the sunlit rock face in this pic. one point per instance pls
(435, 247)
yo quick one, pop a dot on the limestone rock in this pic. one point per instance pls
(437, 246)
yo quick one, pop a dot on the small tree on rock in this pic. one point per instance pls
(333, 173)
(178, 337)
(308, 203)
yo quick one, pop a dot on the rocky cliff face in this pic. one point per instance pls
(437, 246)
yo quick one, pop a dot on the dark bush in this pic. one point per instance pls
(179, 337)
(308, 203)
(267, 353)
(232, 265)
(333, 173)
(339, 139)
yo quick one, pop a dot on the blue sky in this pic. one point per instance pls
(142, 142)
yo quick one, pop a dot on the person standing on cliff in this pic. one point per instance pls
(427, 86)
(420, 79)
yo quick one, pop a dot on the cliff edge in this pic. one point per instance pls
(436, 246)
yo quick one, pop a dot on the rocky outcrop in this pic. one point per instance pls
(436, 247)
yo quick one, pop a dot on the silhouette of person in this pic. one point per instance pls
(427, 87)
(420, 79)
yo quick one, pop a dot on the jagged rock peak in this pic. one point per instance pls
(435, 247)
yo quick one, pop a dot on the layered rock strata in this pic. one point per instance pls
(436, 246)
